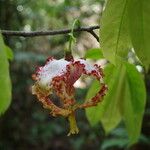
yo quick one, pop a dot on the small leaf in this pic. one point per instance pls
(114, 32)
(94, 53)
(5, 83)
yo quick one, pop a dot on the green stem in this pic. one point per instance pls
(68, 52)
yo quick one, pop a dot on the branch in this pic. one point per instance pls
(50, 32)
(94, 34)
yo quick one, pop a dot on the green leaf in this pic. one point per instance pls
(114, 32)
(94, 53)
(5, 83)
(139, 23)
(108, 110)
(134, 102)
(115, 78)
(125, 100)
(9, 53)
(93, 113)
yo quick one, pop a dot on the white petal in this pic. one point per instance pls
(52, 69)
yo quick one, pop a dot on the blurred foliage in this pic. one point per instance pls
(26, 125)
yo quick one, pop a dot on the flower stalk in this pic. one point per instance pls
(72, 39)
(73, 124)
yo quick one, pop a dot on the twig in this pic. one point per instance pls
(50, 32)
(94, 34)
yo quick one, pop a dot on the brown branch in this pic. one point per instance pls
(50, 32)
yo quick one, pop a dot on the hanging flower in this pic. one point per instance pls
(59, 76)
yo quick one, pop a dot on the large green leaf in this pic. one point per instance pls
(107, 111)
(5, 84)
(125, 100)
(139, 23)
(112, 115)
(134, 102)
(114, 32)
(9, 52)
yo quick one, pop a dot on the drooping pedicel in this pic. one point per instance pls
(59, 76)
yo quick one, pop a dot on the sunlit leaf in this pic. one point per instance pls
(114, 32)
(5, 84)
(115, 78)
(134, 102)
(139, 21)
(125, 100)
(108, 110)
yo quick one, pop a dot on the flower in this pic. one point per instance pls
(59, 76)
